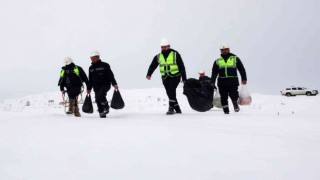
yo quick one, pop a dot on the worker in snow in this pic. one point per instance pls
(203, 78)
(72, 78)
(206, 82)
(100, 79)
(172, 69)
(225, 68)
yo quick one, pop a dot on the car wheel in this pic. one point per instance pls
(308, 93)
(288, 94)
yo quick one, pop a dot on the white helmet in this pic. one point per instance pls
(224, 46)
(94, 53)
(67, 60)
(164, 42)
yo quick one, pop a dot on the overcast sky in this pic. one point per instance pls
(277, 40)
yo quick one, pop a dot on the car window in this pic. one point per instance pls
(299, 88)
(287, 88)
(294, 88)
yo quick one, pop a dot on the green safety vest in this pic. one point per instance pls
(168, 66)
(75, 70)
(227, 69)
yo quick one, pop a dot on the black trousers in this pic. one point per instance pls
(73, 92)
(226, 91)
(100, 96)
(171, 84)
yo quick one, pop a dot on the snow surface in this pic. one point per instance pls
(276, 137)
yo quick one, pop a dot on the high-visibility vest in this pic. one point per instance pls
(75, 70)
(168, 66)
(227, 69)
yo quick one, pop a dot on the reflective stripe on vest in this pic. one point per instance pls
(229, 65)
(75, 70)
(168, 66)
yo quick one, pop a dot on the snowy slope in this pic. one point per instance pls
(275, 138)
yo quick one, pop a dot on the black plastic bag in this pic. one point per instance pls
(199, 95)
(117, 101)
(87, 105)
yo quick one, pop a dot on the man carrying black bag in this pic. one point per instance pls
(100, 79)
(225, 68)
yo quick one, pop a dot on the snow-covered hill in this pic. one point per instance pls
(275, 137)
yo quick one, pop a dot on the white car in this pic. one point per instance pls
(293, 91)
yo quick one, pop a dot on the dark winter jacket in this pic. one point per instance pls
(154, 64)
(228, 81)
(204, 79)
(70, 79)
(100, 75)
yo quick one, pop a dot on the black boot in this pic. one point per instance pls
(106, 107)
(177, 109)
(226, 110)
(170, 111)
(102, 115)
(103, 110)
(236, 106)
